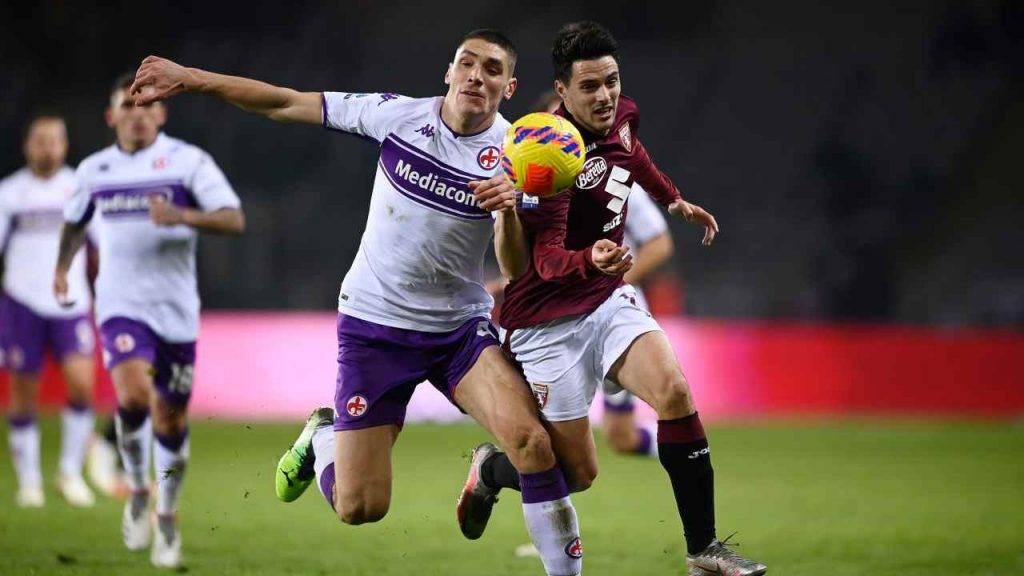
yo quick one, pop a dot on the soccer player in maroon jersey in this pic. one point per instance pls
(571, 321)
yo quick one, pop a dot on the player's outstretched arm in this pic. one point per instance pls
(159, 78)
(497, 195)
(696, 215)
(72, 237)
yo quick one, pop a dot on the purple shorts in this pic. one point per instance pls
(25, 336)
(173, 364)
(380, 366)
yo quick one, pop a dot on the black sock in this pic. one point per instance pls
(110, 432)
(498, 472)
(684, 453)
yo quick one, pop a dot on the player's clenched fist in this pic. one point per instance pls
(610, 258)
(158, 79)
(494, 194)
(163, 213)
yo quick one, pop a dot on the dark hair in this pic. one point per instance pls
(123, 82)
(43, 115)
(581, 41)
(497, 38)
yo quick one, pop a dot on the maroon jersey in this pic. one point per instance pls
(561, 279)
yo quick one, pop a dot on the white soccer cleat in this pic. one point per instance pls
(103, 469)
(30, 497)
(166, 551)
(135, 526)
(75, 491)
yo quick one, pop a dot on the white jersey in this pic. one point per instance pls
(420, 261)
(644, 219)
(30, 223)
(148, 272)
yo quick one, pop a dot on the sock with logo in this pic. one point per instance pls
(552, 523)
(323, 449)
(684, 453)
(170, 457)
(23, 438)
(134, 439)
(76, 423)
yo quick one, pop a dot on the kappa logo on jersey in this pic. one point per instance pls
(626, 137)
(541, 392)
(387, 97)
(592, 173)
(356, 406)
(574, 549)
(427, 130)
(124, 343)
(488, 158)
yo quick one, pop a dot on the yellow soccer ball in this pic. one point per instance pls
(542, 154)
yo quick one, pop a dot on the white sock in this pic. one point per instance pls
(23, 438)
(134, 448)
(323, 449)
(652, 429)
(555, 532)
(75, 430)
(170, 468)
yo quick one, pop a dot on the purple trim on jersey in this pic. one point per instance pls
(44, 220)
(466, 175)
(420, 178)
(132, 200)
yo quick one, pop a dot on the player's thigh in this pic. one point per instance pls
(77, 370)
(650, 370)
(497, 397)
(24, 392)
(133, 382)
(362, 468)
(573, 442)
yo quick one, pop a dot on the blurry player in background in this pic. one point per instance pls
(149, 196)
(413, 306)
(573, 323)
(31, 320)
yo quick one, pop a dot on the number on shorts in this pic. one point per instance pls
(181, 378)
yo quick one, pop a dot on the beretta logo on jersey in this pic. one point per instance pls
(592, 173)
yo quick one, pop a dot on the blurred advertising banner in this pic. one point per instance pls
(256, 365)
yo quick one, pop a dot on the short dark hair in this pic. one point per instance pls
(581, 41)
(123, 82)
(497, 38)
(43, 115)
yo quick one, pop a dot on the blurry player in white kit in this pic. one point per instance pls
(31, 320)
(413, 306)
(148, 195)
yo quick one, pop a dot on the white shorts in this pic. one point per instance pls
(566, 359)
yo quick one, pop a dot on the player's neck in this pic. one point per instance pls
(465, 125)
(131, 146)
(43, 172)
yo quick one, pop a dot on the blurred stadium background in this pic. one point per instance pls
(855, 334)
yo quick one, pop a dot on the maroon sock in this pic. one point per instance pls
(684, 453)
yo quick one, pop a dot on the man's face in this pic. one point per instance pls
(479, 77)
(136, 126)
(46, 145)
(592, 94)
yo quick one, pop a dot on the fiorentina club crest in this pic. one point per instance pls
(124, 343)
(160, 163)
(541, 392)
(574, 549)
(626, 137)
(488, 158)
(356, 406)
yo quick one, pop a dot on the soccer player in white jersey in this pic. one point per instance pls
(31, 321)
(148, 195)
(413, 306)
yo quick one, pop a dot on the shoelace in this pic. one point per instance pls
(723, 551)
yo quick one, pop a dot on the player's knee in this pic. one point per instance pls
(529, 448)
(581, 476)
(362, 510)
(673, 399)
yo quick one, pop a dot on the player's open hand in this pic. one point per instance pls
(163, 213)
(494, 194)
(60, 289)
(610, 258)
(696, 215)
(158, 79)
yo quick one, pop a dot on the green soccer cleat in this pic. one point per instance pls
(295, 468)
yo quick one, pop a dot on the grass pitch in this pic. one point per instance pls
(809, 498)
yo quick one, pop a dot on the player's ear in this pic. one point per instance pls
(448, 75)
(560, 89)
(108, 115)
(510, 88)
(161, 114)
